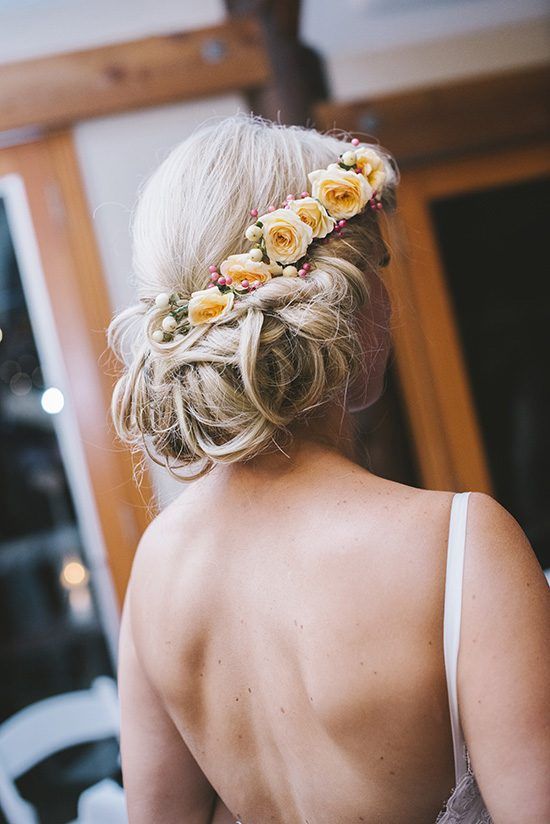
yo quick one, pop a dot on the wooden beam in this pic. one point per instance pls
(445, 120)
(298, 78)
(56, 91)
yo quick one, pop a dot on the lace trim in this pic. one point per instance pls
(465, 804)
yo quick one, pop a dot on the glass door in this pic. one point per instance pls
(493, 246)
(476, 266)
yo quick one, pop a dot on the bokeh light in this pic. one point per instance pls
(52, 400)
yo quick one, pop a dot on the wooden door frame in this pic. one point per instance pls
(450, 119)
(81, 312)
(430, 360)
(56, 91)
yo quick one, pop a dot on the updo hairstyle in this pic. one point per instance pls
(229, 390)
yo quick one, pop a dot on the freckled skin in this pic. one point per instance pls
(303, 586)
(289, 616)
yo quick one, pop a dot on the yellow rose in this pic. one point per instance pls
(240, 267)
(208, 305)
(342, 193)
(286, 237)
(314, 214)
(372, 167)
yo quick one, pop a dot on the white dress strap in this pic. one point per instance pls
(451, 619)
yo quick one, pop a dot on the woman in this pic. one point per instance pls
(290, 635)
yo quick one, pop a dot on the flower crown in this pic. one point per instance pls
(281, 238)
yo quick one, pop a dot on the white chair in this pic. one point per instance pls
(46, 727)
(102, 804)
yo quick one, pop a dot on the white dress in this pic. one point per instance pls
(465, 805)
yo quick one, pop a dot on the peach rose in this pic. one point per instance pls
(208, 305)
(240, 267)
(342, 193)
(372, 167)
(314, 214)
(286, 237)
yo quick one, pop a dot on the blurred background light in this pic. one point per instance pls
(52, 400)
(73, 573)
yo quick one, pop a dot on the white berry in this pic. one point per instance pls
(253, 233)
(256, 255)
(349, 158)
(162, 300)
(290, 272)
(169, 323)
(158, 336)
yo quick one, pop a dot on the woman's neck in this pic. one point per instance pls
(329, 434)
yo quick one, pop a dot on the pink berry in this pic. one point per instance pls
(355, 142)
(214, 276)
(222, 281)
(244, 284)
(379, 205)
(228, 280)
(212, 268)
(271, 208)
(302, 272)
(307, 267)
(304, 194)
(290, 197)
(210, 285)
(342, 223)
(254, 212)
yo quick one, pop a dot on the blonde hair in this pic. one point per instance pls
(230, 390)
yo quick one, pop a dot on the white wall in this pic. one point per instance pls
(376, 47)
(436, 62)
(35, 28)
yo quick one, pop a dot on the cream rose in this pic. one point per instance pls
(241, 267)
(314, 214)
(371, 166)
(342, 193)
(208, 305)
(286, 237)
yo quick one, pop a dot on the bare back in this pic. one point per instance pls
(294, 631)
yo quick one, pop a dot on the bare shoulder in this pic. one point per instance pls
(504, 666)
(502, 574)
(162, 537)
(491, 525)
(162, 549)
